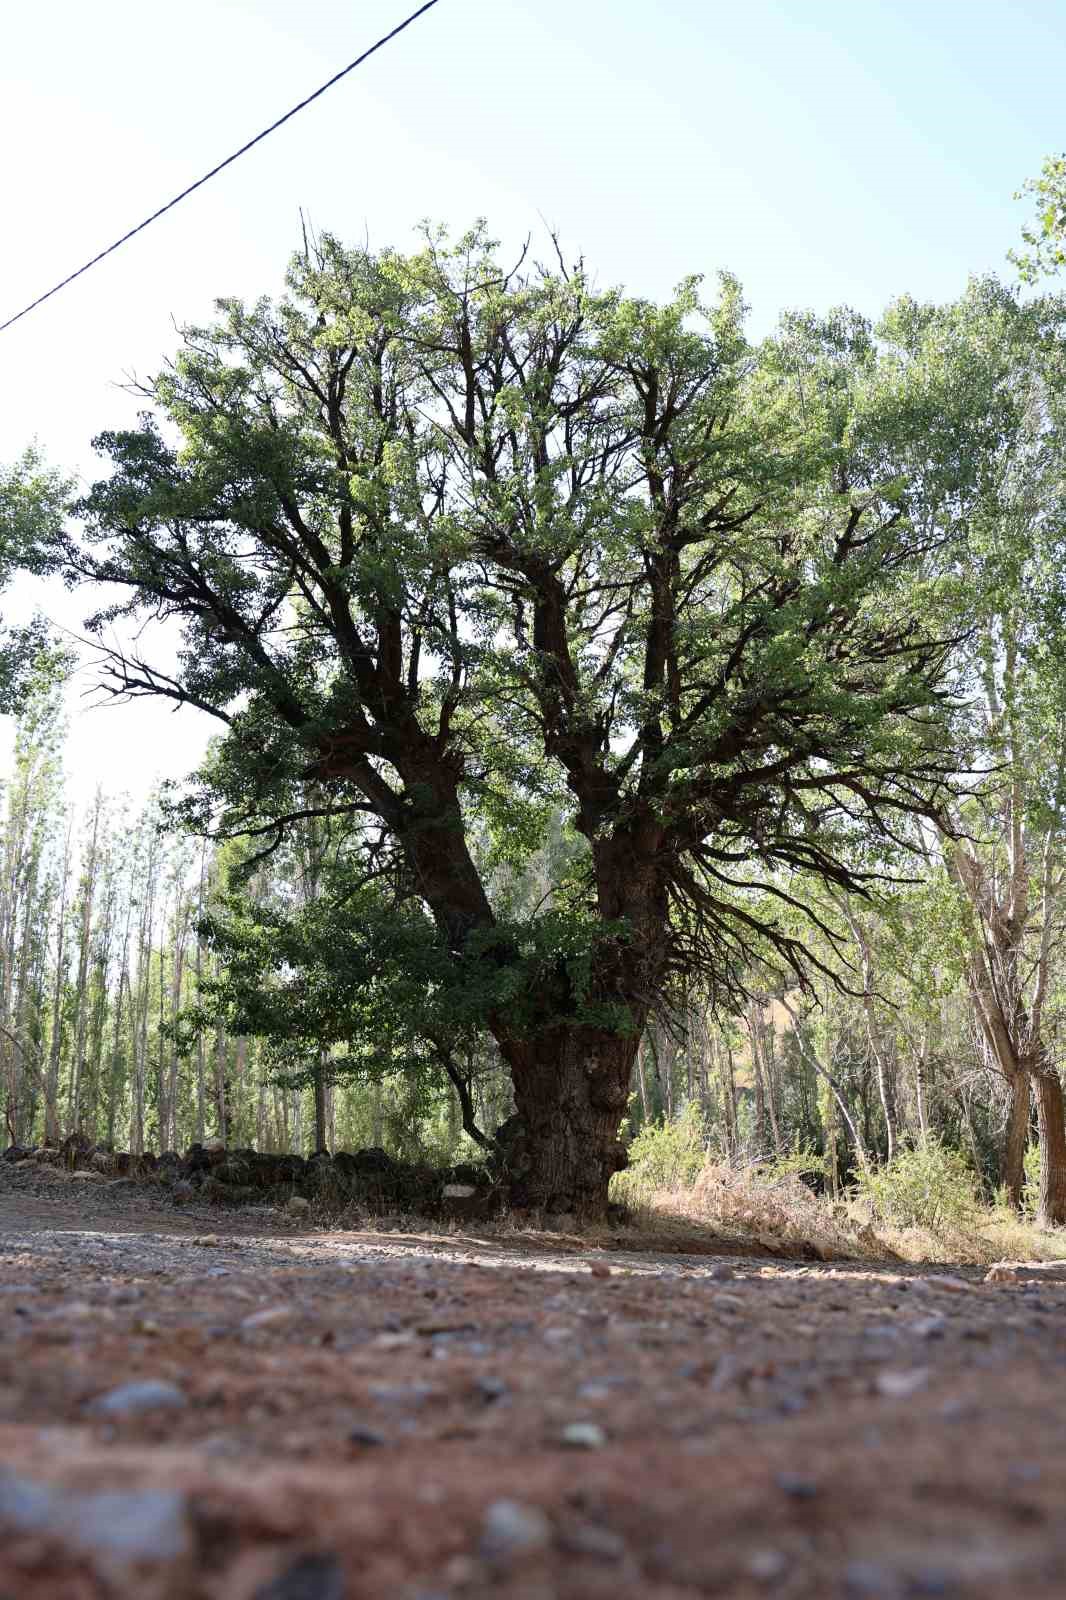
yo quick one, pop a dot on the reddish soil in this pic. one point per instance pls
(372, 1415)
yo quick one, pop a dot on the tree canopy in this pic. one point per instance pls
(33, 502)
(455, 544)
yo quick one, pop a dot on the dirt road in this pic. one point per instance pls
(240, 1409)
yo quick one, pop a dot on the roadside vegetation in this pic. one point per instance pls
(926, 1205)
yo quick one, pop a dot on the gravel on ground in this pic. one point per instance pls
(198, 1405)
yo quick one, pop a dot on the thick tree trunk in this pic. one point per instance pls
(1049, 1105)
(561, 1148)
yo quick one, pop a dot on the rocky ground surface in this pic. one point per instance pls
(206, 1405)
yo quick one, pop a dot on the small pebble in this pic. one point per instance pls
(596, 1392)
(403, 1394)
(128, 1526)
(130, 1399)
(267, 1317)
(864, 1579)
(958, 1411)
(583, 1436)
(931, 1582)
(795, 1487)
(929, 1327)
(589, 1539)
(365, 1438)
(490, 1388)
(512, 1528)
(310, 1577)
(766, 1565)
(899, 1385)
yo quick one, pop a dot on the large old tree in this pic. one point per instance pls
(452, 545)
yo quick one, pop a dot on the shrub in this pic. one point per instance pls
(924, 1186)
(664, 1155)
(803, 1164)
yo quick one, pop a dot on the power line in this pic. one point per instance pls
(336, 78)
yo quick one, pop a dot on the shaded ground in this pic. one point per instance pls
(342, 1414)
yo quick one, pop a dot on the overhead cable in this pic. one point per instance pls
(111, 248)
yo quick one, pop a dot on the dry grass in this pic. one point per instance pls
(994, 1234)
(782, 1212)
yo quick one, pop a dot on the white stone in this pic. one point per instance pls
(898, 1385)
(117, 1527)
(584, 1436)
(130, 1399)
(511, 1528)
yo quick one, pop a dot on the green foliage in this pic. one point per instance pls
(795, 1164)
(33, 500)
(374, 985)
(1031, 1189)
(1045, 236)
(665, 1155)
(465, 545)
(927, 1185)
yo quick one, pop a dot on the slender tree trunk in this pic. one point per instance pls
(221, 1106)
(93, 1086)
(81, 998)
(23, 1074)
(261, 1134)
(297, 1146)
(873, 1030)
(377, 1125)
(14, 851)
(51, 1082)
(237, 1098)
(1012, 1155)
(162, 1108)
(754, 1022)
(321, 1130)
(766, 1030)
(839, 1097)
(116, 1073)
(920, 1065)
(201, 1061)
(169, 1139)
(1049, 1105)
(832, 1154)
(729, 1088)
(642, 1082)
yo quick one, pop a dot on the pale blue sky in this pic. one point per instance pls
(824, 151)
